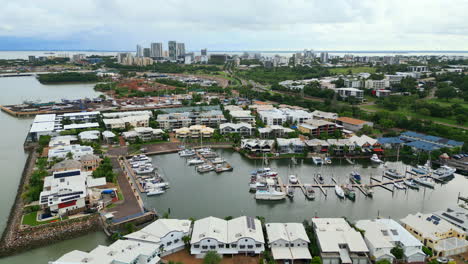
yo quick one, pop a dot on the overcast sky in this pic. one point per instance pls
(235, 25)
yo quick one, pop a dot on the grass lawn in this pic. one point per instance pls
(449, 102)
(354, 70)
(30, 219)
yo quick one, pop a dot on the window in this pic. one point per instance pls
(227, 245)
(234, 245)
(242, 246)
(286, 245)
(204, 247)
(212, 247)
(196, 246)
(176, 240)
(259, 245)
(249, 246)
(221, 245)
(292, 245)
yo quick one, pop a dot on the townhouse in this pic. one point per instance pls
(195, 131)
(244, 129)
(288, 242)
(319, 127)
(290, 145)
(257, 145)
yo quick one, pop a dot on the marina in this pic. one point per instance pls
(205, 160)
(145, 175)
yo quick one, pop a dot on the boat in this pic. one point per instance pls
(209, 154)
(161, 185)
(320, 179)
(136, 164)
(411, 184)
(144, 169)
(349, 192)
(267, 191)
(339, 192)
(398, 185)
(310, 193)
(424, 182)
(328, 160)
(186, 153)
(368, 191)
(155, 191)
(317, 160)
(195, 161)
(425, 169)
(218, 160)
(140, 157)
(293, 179)
(205, 168)
(355, 177)
(375, 158)
(393, 174)
(290, 191)
(443, 173)
(220, 168)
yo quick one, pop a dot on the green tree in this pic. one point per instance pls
(383, 261)
(316, 260)
(69, 155)
(398, 252)
(427, 251)
(446, 92)
(212, 257)
(461, 119)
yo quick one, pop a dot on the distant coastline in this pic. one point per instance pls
(261, 51)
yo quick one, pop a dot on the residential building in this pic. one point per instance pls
(366, 143)
(376, 84)
(157, 50)
(127, 113)
(163, 233)
(382, 235)
(351, 92)
(339, 242)
(274, 131)
(382, 93)
(143, 133)
(124, 122)
(457, 216)
(352, 123)
(90, 162)
(82, 117)
(66, 192)
(418, 68)
(180, 50)
(316, 127)
(244, 116)
(81, 126)
(60, 141)
(243, 129)
(146, 52)
(290, 145)
(317, 145)
(328, 116)
(241, 235)
(108, 136)
(139, 51)
(172, 48)
(341, 146)
(257, 145)
(121, 251)
(394, 79)
(195, 131)
(442, 237)
(77, 151)
(174, 120)
(204, 52)
(324, 57)
(171, 121)
(66, 165)
(390, 142)
(261, 106)
(353, 83)
(288, 241)
(43, 125)
(283, 115)
(89, 135)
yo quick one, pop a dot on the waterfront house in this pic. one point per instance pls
(59, 141)
(121, 252)
(143, 133)
(89, 135)
(290, 145)
(457, 216)
(319, 127)
(382, 235)
(90, 162)
(66, 165)
(317, 145)
(195, 131)
(283, 115)
(288, 241)
(77, 151)
(165, 234)
(257, 145)
(442, 237)
(366, 143)
(43, 125)
(339, 242)
(241, 235)
(352, 123)
(244, 129)
(274, 131)
(341, 146)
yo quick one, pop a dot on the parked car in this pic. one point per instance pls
(456, 157)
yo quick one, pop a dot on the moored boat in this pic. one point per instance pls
(443, 173)
(339, 192)
(398, 185)
(290, 191)
(293, 179)
(393, 174)
(349, 192)
(155, 191)
(424, 182)
(375, 158)
(310, 192)
(320, 179)
(411, 184)
(317, 160)
(355, 177)
(195, 161)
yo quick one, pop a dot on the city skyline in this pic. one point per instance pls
(249, 25)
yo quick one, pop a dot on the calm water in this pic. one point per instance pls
(198, 195)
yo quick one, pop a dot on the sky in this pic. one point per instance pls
(348, 25)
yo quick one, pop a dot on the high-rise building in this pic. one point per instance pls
(204, 52)
(139, 51)
(180, 51)
(172, 47)
(157, 50)
(324, 57)
(147, 52)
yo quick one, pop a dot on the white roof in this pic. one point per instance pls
(42, 127)
(44, 118)
(210, 227)
(245, 227)
(327, 115)
(108, 134)
(90, 134)
(331, 232)
(240, 114)
(95, 182)
(289, 141)
(129, 113)
(286, 231)
(455, 215)
(384, 233)
(79, 126)
(360, 141)
(81, 114)
(235, 126)
(451, 243)
(429, 225)
(159, 229)
(62, 140)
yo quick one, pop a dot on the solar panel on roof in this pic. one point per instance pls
(458, 220)
(436, 222)
(435, 218)
(250, 222)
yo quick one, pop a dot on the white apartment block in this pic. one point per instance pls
(244, 116)
(242, 235)
(131, 120)
(376, 84)
(283, 115)
(351, 92)
(244, 129)
(288, 241)
(76, 150)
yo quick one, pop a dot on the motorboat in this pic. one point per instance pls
(424, 182)
(222, 168)
(186, 153)
(136, 164)
(339, 192)
(398, 185)
(269, 193)
(368, 191)
(160, 185)
(293, 179)
(393, 174)
(328, 160)
(425, 169)
(320, 179)
(140, 157)
(411, 184)
(443, 173)
(355, 177)
(349, 192)
(310, 192)
(375, 158)
(209, 154)
(317, 160)
(290, 191)
(144, 169)
(205, 168)
(195, 161)
(218, 160)
(155, 191)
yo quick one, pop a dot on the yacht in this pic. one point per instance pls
(328, 160)
(222, 168)
(320, 179)
(424, 182)
(195, 161)
(355, 177)
(393, 174)
(411, 184)
(425, 169)
(155, 191)
(443, 173)
(317, 160)
(368, 191)
(310, 193)
(268, 192)
(376, 159)
(144, 169)
(218, 160)
(339, 192)
(140, 157)
(398, 185)
(349, 192)
(205, 168)
(186, 153)
(293, 179)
